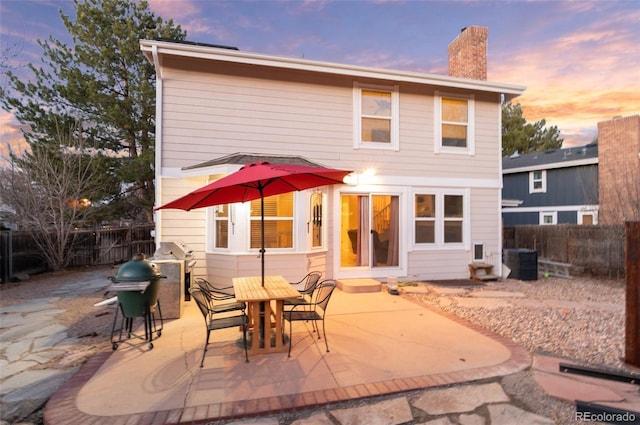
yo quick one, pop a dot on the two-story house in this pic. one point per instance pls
(557, 186)
(424, 198)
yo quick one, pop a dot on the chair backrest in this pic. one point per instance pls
(312, 280)
(216, 292)
(323, 293)
(202, 300)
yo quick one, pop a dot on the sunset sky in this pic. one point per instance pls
(580, 60)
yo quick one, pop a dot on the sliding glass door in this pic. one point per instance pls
(369, 230)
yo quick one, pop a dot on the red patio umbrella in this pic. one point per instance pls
(258, 180)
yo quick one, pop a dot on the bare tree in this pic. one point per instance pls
(50, 191)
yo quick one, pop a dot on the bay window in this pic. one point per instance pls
(278, 222)
(221, 226)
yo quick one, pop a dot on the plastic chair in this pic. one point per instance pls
(314, 311)
(305, 286)
(215, 320)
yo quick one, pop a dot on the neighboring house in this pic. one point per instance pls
(558, 186)
(424, 197)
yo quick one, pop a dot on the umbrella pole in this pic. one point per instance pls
(262, 231)
(263, 320)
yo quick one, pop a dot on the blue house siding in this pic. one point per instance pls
(567, 217)
(520, 218)
(571, 186)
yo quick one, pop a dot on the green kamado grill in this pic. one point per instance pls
(134, 302)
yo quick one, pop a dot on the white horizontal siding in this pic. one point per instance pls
(453, 264)
(250, 115)
(223, 268)
(438, 265)
(486, 224)
(206, 116)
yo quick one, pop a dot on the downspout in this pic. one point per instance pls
(158, 146)
(499, 268)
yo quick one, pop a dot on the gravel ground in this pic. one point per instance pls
(581, 319)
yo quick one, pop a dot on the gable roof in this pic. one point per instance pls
(552, 158)
(155, 50)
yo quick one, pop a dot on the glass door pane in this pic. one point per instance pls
(354, 230)
(369, 230)
(384, 233)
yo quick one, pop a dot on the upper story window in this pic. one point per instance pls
(278, 222)
(454, 124)
(376, 117)
(537, 181)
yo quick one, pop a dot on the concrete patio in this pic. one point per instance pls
(379, 344)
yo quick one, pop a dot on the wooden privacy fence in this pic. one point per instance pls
(598, 250)
(19, 255)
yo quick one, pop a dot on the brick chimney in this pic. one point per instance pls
(468, 54)
(619, 170)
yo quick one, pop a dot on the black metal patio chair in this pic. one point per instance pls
(222, 298)
(222, 292)
(314, 311)
(216, 320)
(305, 287)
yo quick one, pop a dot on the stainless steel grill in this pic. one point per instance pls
(176, 260)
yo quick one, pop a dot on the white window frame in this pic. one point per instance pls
(313, 217)
(473, 252)
(257, 219)
(552, 214)
(211, 228)
(533, 180)
(240, 229)
(470, 149)
(582, 214)
(439, 243)
(394, 143)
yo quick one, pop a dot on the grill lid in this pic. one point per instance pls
(136, 270)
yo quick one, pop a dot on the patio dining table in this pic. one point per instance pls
(263, 315)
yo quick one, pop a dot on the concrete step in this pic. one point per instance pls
(360, 285)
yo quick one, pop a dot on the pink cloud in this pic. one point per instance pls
(177, 10)
(577, 80)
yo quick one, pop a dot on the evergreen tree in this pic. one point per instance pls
(518, 135)
(103, 81)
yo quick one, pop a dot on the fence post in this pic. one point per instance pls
(632, 272)
(6, 256)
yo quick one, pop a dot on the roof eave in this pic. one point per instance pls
(549, 165)
(226, 55)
